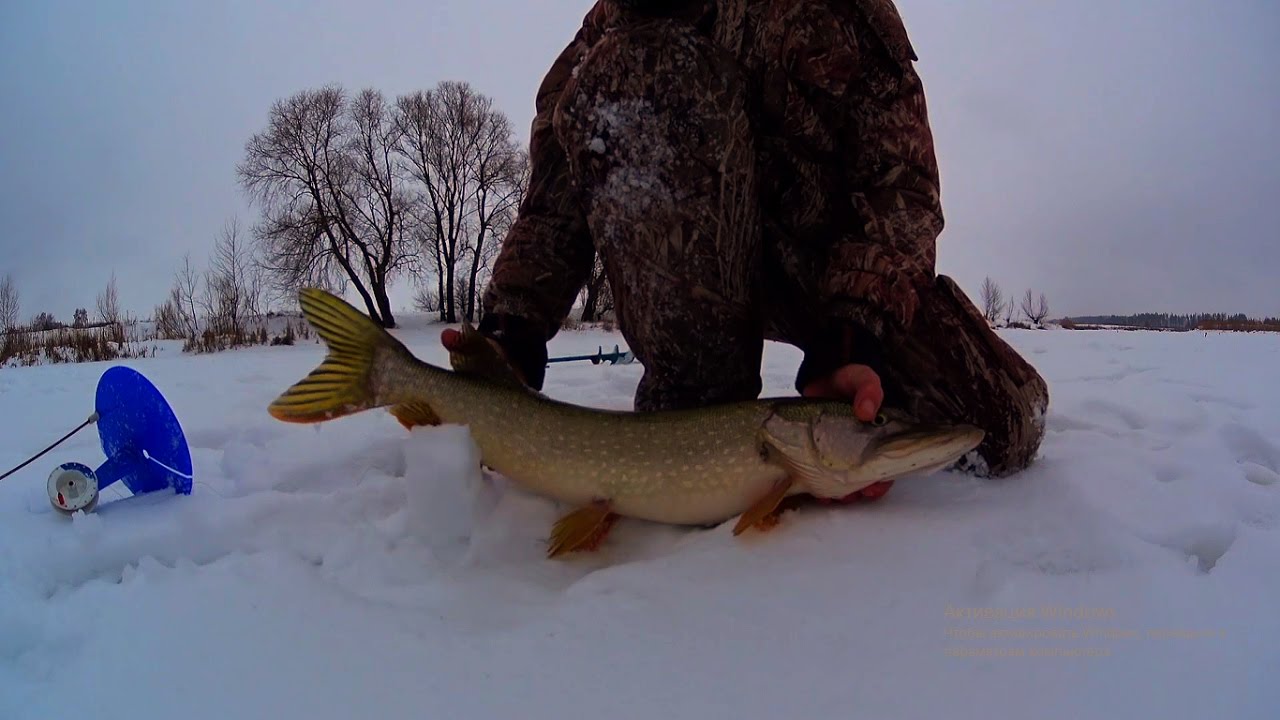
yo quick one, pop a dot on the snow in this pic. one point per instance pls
(354, 569)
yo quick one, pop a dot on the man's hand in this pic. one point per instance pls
(860, 384)
(477, 356)
(452, 340)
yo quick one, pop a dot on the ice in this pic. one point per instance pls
(356, 569)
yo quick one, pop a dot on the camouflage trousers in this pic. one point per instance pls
(684, 205)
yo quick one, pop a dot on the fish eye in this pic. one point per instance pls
(880, 420)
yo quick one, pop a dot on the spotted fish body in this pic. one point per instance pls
(681, 467)
(697, 466)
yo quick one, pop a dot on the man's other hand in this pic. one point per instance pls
(858, 383)
(481, 353)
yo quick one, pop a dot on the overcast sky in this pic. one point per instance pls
(1118, 155)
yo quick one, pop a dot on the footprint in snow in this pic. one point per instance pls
(1121, 374)
(1178, 425)
(1203, 545)
(1070, 543)
(1103, 408)
(1208, 399)
(1259, 457)
(1259, 475)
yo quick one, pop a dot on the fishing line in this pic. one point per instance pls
(92, 419)
(179, 473)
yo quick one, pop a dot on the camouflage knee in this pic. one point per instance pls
(953, 367)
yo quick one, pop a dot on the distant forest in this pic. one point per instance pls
(1169, 321)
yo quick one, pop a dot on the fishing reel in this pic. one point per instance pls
(73, 487)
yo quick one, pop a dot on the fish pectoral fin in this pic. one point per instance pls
(815, 480)
(763, 513)
(415, 414)
(581, 530)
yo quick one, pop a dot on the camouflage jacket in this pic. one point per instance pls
(831, 79)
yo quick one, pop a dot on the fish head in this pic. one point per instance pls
(833, 453)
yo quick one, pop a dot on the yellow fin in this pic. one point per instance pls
(342, 384)
(582, 529)
(414, 414)
(762, 513)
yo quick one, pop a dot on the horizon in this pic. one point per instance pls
(1130, 173)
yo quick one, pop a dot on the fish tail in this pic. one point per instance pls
(345, 382)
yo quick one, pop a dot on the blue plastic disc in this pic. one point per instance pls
(141, 437)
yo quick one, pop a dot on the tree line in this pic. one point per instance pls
(1174, 321)
(108, 310)
(995, 306)
(353, 191)
(998, 309)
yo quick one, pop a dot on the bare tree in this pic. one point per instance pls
(470, 175)
(333, 208)
(233, 284)
(109, 302)
(992, 300)
(183, 294)
(168, 320)
(9, 305)
(434, 153)
(426, 299)
(475, 287)
(599, 297)
(1035, 310)
(378, 199)
(500, 169)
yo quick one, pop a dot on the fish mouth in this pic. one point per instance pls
(925, 450)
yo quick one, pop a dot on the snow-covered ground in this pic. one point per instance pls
(355, 570)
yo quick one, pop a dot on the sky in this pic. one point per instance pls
(1117, 155)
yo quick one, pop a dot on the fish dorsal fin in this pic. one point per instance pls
(477, 357)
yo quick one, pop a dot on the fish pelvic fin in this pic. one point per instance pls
(344, 382)
(415, 414)
(582, 530)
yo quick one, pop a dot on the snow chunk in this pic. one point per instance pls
(443, 478)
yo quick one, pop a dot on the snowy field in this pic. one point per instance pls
(354, 570)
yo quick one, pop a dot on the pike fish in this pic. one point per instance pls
(699, 466)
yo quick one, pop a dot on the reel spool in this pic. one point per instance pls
(142, 439)
(73, 486)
